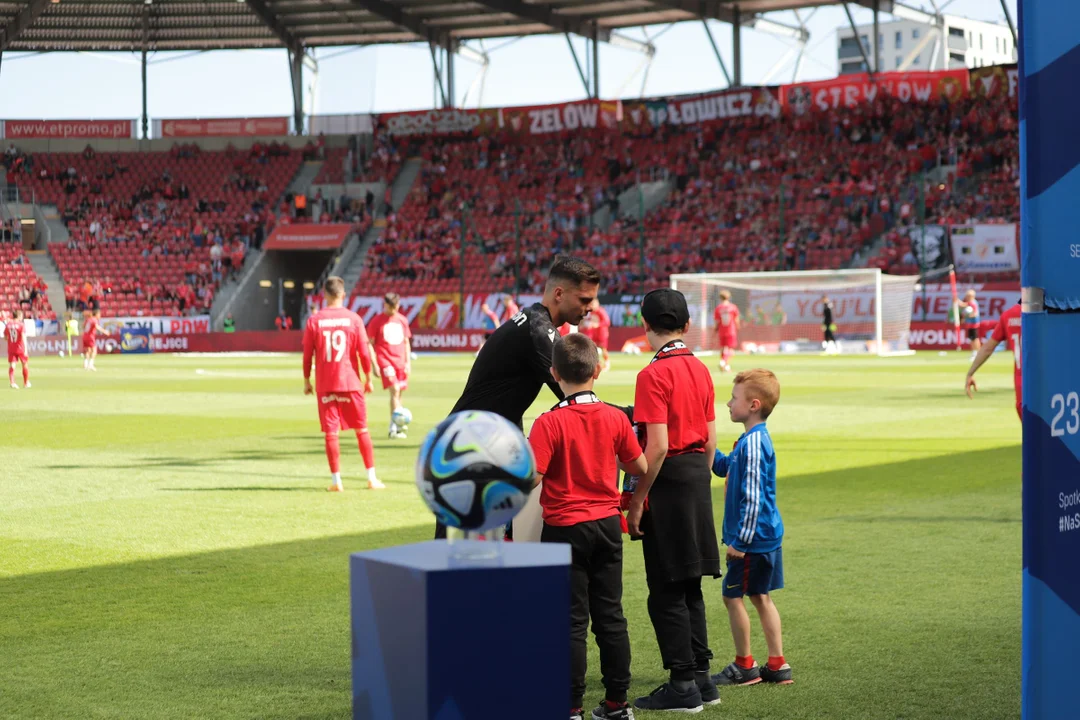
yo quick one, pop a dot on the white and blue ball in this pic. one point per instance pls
(475, 470)
(401, 417)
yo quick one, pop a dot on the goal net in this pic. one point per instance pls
(784, 311)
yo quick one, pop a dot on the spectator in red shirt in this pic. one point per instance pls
(580, 444)
(674, 402)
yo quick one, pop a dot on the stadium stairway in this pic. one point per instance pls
(631, 204)
(352, 260)
(229, 291)
(305, 176)
(44, 266)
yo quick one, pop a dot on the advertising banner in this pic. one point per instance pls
(159, 325)
(224, 127)
(450, 121)
(303, 236)
(61, 129)
(985, 248)
(996, 81)
(859, 89)
(702, 109)
(135, 341)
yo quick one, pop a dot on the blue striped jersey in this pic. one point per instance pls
(751, 519)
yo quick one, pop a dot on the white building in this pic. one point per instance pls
(909, 44)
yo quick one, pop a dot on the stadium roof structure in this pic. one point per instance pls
(147, 26)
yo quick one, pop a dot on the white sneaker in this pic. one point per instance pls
(375, 485)
(399, 435)
(28, 386)
(14, 386)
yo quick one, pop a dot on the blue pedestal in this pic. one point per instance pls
(432, 641)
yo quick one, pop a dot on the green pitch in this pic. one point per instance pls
(168, 550)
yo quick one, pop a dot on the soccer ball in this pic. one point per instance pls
(401, 417)
(475, 470)
(61, 353)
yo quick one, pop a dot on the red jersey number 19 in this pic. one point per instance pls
(335, 345)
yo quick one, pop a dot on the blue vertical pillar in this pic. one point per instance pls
(432, 640)
(1050, 275)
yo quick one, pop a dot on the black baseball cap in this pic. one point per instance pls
(665, 309)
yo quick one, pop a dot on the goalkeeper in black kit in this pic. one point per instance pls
(515, 362)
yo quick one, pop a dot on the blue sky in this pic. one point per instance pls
(531, 70)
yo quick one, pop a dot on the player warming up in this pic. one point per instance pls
(91, 329)
(752, 531)
(391, 350)
(829, 327)
(1007, 329)
(335, 340)
(969, 312)
(15, 334)
(597, 327)
(728, 323)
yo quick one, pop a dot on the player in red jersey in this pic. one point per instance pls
(335, 340)
(391, 350)
(727, 320)
(15, 334)
(1007, 329)
(597, 327)
(91, 329)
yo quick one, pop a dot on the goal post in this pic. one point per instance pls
(784, 311)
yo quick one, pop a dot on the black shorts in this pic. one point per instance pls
(973, 334)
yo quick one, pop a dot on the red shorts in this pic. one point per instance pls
(342, 411)
(394, 376)
(728, 340)
(18, 358)
(87, 342)
(601, 338)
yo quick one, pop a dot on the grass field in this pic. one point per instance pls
(168, 550)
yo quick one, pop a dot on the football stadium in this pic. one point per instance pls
(485, 410)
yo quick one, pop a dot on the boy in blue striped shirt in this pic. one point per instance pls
(752, 531)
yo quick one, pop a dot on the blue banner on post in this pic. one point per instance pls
(135, 341)
(1050, 275)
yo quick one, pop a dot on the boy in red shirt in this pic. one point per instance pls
(579, 445)
(15, 334)
(391, 350)
(335, 340)
(1007, 329)
(674, 401)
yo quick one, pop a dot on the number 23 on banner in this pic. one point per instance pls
(1065, 405)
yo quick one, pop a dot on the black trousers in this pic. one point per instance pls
(829, 337)
(677, 611)
(596, 591)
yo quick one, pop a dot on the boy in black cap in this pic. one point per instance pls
(674, 401)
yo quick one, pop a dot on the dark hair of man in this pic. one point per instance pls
(575, 358)
(392, 299)
(334, 286)
(573, 271)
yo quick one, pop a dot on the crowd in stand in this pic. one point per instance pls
(755, 194)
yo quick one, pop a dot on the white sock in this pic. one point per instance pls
(371, 474)
(336, 477)
(393, 427)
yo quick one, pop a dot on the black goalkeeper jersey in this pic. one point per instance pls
(513, 366)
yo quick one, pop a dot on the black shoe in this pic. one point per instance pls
(710, 695)
(666, 697)
(606, 713)
(780, 677)
(735, 675)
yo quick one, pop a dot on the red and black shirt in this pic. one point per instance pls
(578, 444)
(675, 389)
